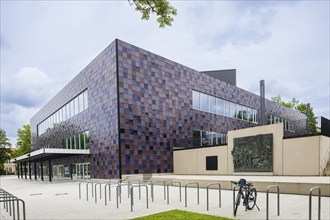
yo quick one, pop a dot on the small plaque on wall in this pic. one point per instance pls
(212, 163)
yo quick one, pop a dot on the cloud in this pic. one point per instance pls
(28, 87)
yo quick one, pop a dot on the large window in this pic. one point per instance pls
(72, 108)
(208, 138)
(78, 141)
(212, 104)
(288, 125)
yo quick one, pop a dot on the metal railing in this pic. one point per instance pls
(267, 200)
(9, 201)
(152, 183)
(87, 190)
(168, 190)
(80, 188)
(319, 202)
(132, 195)
(207, 194)
(185, 189)
(95, 189)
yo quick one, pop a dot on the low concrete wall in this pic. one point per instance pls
(305, 156)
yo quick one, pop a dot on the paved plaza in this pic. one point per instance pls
(60, 200)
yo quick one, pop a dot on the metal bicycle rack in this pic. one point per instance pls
(96, 191)
(310, 202)
(129, 183)
(152, 183)
(207, 194)
(87, 190)
(109, 186)
(118, 191)
(132, 195)
(9, 204)
(168, 190)
(185, 189)
(234, 189)
(80, 188)
(267, 200)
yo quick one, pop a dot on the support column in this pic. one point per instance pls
(42, 171)
(71, 169)
(21, 170)
(35, 170)
(18, 169)
(50, 170)
(25, 170)
(262, 111)
(30, 174)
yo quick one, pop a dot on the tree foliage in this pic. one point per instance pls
(4, 149)
(302, 107)
(23, 144)
(162, 8)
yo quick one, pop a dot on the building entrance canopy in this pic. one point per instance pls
(49, 153)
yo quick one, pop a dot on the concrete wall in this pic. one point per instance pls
(306, 156)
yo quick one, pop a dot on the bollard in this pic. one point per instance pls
(207, 194)
(319, 202)
(185, 188)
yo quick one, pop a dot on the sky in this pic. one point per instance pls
(45, 44)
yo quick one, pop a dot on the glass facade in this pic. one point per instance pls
(72, 108)
(212, 104)
(288, 125)
(208, 138)
(77, 141)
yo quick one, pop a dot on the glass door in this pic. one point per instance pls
(81, 171)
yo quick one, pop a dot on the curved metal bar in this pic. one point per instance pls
(132, 195)
(267, 200)
(319, 202)
(96, 191)
(80, 188)
(118, 191)
(185, 189)
(168, 191)
(87, 190)
(207, 194)
(17, 200)
(152, 188)
(234, 189)
(129, 182)
(105, 192)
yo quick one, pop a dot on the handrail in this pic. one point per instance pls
(152, 188)
(132, 195)
(207, 194)
(185, 188)
(168, 190)
(319, 202)
(267, 200)
(234, 198)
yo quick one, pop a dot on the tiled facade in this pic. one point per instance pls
(155, 107)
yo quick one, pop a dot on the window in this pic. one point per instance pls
(86, 139)
(81, 102)
(226, 108)
(85, 99)
(204, 102)
(211, 163)
(232, 110)
(195, 100)
(212, 104)
(72, 108)
(76, 105)
(219, 109)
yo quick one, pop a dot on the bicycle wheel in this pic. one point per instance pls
(252, 199)
(238, 199)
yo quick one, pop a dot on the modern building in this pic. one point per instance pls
(126, 111)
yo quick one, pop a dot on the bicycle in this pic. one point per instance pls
(249, 197)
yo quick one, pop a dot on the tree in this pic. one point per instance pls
(23, 144)
(4, 149)
(302, 107)
(162, 8)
